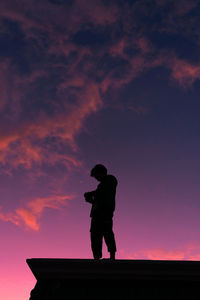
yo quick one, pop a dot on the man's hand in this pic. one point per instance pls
(89, 197)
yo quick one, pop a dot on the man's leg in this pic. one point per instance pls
(96, 236)
(109, 237)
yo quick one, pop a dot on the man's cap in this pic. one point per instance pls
(98, 169)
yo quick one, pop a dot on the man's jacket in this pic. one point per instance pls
(103, 198)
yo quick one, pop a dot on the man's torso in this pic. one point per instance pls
(104, 203)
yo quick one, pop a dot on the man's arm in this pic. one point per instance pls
(90, 196)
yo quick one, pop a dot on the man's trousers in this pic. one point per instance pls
(102, 228)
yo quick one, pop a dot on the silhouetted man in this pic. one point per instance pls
(103, 206)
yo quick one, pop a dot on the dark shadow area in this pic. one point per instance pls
(120, 279)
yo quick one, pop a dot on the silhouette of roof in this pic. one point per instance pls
(57, 278)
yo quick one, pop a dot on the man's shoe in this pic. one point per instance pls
(97, 257)
(112, 255)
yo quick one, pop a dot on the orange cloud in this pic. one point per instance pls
(24, 143)
(27, 218)
(29, 215)
(17, 147)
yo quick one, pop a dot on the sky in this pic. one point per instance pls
(94, 81)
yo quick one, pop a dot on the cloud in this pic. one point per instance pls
(38, 115)
(96, 12)
(29, 215)
(48, 94)
(186, 252)
(185, 7)
(184, 72)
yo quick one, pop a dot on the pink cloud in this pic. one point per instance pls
(184, 72)
(44, 16)
(18, 147)
(187, 252)
(118, 48)
(27, 218)
(144, 45)
(96, 12)
(17, 144)
(8, 217)
(185, 6)
(161, 254)
(29, 215)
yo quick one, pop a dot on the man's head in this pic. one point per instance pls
(99, 172)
